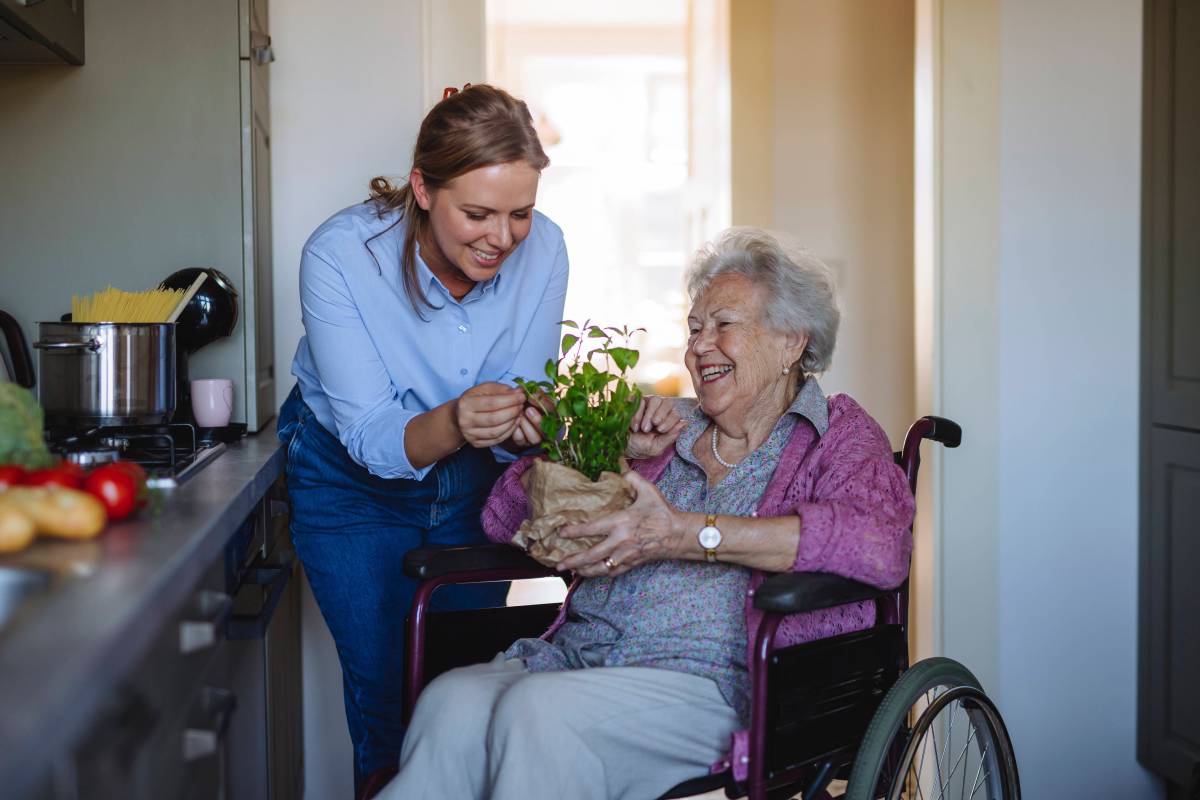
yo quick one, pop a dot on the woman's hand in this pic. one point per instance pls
(654, 428)
(648, 530)
(488, 414)
(528, 432)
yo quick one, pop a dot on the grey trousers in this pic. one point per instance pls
(497, 732)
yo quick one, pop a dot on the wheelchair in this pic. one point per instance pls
(848, 707)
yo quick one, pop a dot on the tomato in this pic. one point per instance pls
(65, 474)
(135, 471)
(11, 475)
(114, 486)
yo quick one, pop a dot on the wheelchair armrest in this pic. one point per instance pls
(793, 592)
(434, 562)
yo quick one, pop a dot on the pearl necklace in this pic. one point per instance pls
(717, 455)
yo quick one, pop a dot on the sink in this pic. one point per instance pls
(16, 584)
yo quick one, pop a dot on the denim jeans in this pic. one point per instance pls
(351, 530)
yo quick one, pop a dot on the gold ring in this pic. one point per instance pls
(610, 564)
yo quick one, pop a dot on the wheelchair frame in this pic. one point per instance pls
(803, 696)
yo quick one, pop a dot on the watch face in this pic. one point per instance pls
(709, 536)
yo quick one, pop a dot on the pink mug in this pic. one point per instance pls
(212, 402)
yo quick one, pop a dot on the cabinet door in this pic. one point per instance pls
(1169, 734)
(1171, 227)
(1169, 593)
(256, 217)
(264, 304)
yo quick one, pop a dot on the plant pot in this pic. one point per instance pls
(562, 496)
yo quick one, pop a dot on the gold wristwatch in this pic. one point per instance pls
(710, 537)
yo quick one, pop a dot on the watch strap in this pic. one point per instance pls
(710, 521)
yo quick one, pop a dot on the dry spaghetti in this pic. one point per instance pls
(114, 305)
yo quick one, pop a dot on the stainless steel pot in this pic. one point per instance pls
(106, 373)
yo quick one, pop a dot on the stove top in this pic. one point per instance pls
(170, 454)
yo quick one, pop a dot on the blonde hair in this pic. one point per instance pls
(477, 127)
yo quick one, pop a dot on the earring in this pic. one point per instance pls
(786, 370)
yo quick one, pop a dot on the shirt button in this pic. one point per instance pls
(462, 328)
(462, 372)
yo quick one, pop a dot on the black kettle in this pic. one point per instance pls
(212, 312)
(18, 351)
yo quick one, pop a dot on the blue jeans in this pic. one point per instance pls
(351, 530)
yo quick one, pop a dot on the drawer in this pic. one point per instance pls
(188, 756)
(149, 710)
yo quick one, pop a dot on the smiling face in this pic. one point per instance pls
(735, 357)
(476, 221)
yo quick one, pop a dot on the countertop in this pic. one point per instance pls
(66, 649)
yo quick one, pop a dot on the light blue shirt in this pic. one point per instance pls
(368, 363)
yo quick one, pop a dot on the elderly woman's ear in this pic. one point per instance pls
(794, 349)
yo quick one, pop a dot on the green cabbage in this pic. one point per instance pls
(21, 440)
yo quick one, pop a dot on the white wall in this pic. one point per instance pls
(349, 89)
(1039, 544)
(822, 138)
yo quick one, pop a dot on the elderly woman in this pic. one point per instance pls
(642, 680)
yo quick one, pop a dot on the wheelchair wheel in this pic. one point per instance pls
(935, 735)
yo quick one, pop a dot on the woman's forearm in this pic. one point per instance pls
(433, 435)
(766, 543)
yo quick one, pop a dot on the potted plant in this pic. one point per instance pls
(587, 405)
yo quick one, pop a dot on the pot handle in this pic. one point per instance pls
(91, 344)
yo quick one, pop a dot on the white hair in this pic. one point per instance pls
(800, 291)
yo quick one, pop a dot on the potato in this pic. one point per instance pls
(16, 529)
(55, 511)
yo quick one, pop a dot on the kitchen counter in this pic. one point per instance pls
(65, 652)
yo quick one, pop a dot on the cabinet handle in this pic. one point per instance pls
(199, 634)
(211, 713)
(260, 48)
(273, 579)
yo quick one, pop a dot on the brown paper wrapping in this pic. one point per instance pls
(562, 496)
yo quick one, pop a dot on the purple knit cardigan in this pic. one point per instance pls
(854, 503)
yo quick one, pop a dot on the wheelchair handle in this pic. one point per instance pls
(939, 429)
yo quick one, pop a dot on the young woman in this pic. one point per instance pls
(419, 307)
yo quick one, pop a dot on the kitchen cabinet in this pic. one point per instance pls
(1169, 595)
(152, 157)
(214, 709)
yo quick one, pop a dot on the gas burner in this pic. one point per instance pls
(170, 454)
(92, 457)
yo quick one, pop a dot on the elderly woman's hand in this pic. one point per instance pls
(654, 428)
(648, 530)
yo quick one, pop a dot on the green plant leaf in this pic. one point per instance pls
(568, 323)
(568, 341)
(551, 368)
(595, 332)
(623, 357)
